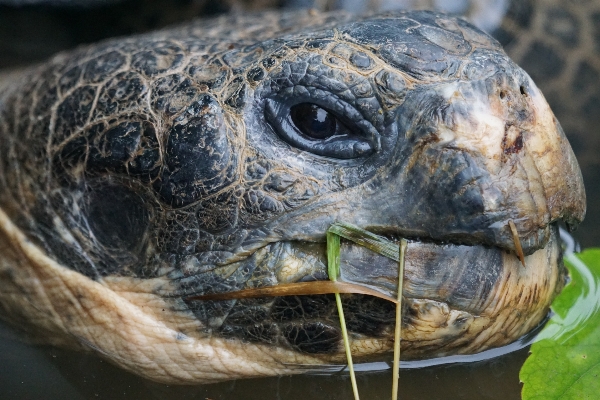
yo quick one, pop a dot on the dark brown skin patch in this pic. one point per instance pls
(512, 142)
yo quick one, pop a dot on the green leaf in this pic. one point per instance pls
(565, 360)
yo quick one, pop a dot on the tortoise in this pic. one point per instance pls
(142, 172)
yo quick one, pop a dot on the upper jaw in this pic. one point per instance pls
(461, 177)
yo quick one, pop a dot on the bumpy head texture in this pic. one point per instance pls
(188, 141)
(195, 154)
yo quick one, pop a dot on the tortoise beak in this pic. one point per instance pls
(533, 175)
(554, 187)
(478, 155)
(558, 173)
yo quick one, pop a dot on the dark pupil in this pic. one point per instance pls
(313, 121)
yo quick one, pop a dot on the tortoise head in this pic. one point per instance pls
(214, 157)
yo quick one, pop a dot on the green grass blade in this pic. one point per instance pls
(338, 302)
(398, 330)
(333, 269)
(371, 241)
(333, 256)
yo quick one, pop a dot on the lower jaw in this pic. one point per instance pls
(467, 299)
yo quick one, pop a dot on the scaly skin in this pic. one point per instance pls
(142, 171)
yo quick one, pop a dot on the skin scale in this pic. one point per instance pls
(141, 171)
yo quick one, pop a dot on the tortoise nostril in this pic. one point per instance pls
(523, 90)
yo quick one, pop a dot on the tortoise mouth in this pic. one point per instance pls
(530, 244)
(453, 294)
(461, 275)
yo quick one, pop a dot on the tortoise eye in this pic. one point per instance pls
(313, 121)
(310, 127)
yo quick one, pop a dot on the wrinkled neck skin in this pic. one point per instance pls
(142, 171)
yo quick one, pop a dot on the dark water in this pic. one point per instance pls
(30, 372)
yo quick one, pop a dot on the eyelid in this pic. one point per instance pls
(344, 148)
(347, 113)
(365, 141)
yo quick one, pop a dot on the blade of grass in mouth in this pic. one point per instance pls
(348, 231)
(398, 330)
(386, 248)
(333, 270)
(371, 241)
